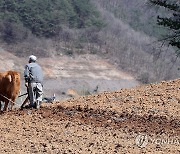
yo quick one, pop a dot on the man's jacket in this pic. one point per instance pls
(33, 73)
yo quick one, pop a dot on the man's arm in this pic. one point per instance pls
(26, 75)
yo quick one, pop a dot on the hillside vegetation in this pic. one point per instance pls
(133, 49)
(124, 32)
(46, 17)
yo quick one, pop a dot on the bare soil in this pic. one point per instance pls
(108, 122)
(83, 74)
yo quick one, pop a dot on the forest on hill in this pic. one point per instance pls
(46, 18)
(125, 32)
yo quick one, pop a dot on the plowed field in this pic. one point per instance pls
(145, 119)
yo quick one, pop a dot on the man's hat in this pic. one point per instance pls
(32, 58)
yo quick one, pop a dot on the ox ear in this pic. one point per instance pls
(9, 78)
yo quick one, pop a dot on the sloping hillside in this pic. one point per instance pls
(130, 47)
(124, 32)
(83, 74)
(103, 123)
(161, 99)
(9, 61)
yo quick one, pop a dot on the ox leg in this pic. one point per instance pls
(6, 105)
(12, 104)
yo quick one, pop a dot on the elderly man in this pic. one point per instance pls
(33, 75)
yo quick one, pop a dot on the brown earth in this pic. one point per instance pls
(109, 122)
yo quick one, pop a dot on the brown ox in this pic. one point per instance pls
(9, 88)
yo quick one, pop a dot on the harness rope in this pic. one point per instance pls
(8, 99)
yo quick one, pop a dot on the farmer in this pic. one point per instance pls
(33, 81)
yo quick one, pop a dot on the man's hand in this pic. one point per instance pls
(26, 84)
